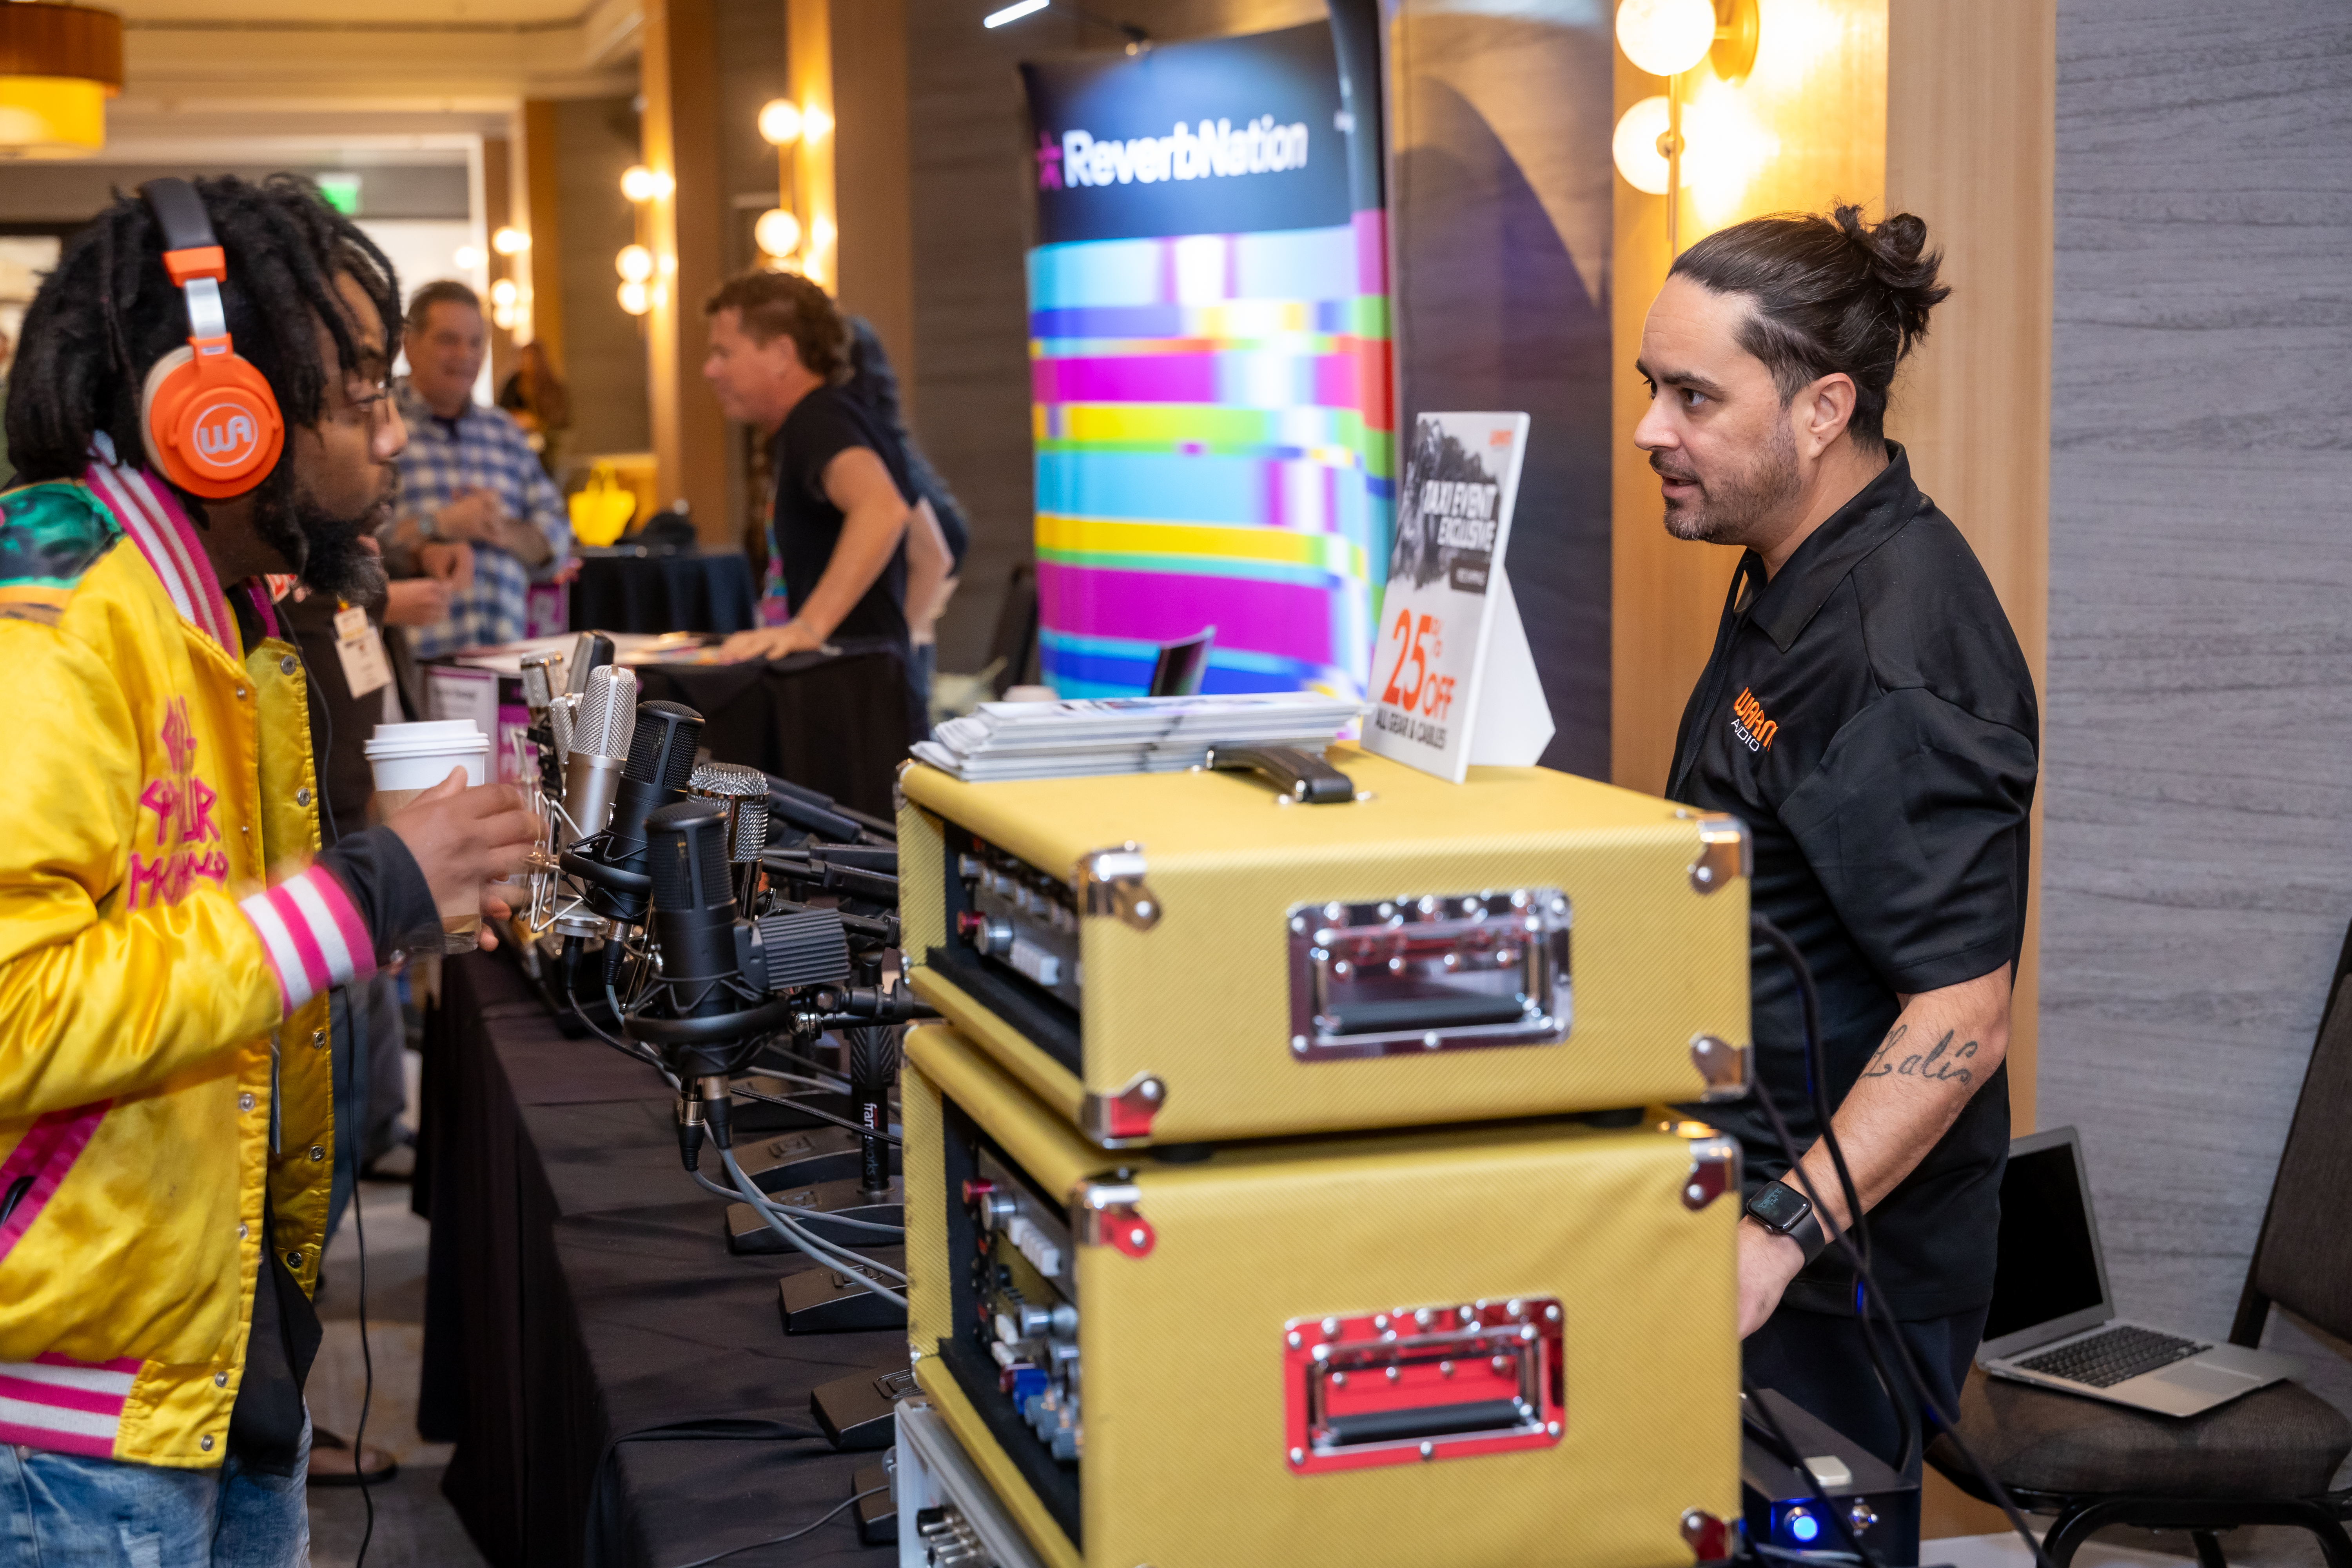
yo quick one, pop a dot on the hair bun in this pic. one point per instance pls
(1896, 249)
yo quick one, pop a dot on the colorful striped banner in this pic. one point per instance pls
(1212, 415)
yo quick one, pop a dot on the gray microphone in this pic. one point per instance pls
(600, 747)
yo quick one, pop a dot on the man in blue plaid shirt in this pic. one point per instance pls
(469, 479)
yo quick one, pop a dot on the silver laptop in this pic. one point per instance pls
(2052, 1322)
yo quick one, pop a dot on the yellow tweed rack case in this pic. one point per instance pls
(1515, 1342)
(1194, 957)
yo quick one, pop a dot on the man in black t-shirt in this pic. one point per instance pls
(1867, 713)
(779, 359)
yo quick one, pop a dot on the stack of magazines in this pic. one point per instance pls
(1002, 740)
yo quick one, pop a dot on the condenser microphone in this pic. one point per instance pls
(744, 792)
(561, 710)
(542, 678)
(591, 653)
(722, 978)
(599, 750)
(660, 761)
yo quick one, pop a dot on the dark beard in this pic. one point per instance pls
(324, 550)
(1727, 509)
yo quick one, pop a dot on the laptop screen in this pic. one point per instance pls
(2049, 1267)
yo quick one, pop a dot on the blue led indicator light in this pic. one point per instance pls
(1803, 1525)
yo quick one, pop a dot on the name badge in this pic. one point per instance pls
(357, 644)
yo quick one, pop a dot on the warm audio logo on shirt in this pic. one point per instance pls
(1748, 723)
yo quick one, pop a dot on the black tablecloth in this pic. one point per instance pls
(579, 1288)
(622, 592)
(835, 722)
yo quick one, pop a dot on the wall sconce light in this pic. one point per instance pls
(640, 184)
(1639, 147)
(1665, 37)
(635, 263)
(636, 299)
(509, 241)
(778, 232)
(780, 121)
(504, 292)
(1670, 39)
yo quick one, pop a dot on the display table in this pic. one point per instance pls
(619, 590)
(580, 1288)
(833, 722)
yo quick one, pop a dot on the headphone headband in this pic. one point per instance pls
(180, 213)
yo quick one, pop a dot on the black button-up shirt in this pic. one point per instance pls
(1868, 714)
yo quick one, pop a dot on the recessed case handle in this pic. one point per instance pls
(1300, 774)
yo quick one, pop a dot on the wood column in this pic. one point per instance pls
(873, 166)
(543, 272)
(678, 73)
(1971, 147)
(808, 55)
(499, 211)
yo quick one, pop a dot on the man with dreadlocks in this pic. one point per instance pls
(169, 922)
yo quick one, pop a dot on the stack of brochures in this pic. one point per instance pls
(1002, 740)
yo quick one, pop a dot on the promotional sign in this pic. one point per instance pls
(1210, 378)
(1452, 681)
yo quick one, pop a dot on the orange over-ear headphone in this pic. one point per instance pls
(210, 419)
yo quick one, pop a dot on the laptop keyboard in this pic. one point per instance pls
(2105, 1359)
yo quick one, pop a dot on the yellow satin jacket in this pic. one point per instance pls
(165, 948)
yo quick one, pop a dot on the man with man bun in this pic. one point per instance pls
(1867, 713)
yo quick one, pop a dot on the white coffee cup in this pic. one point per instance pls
(410, 759)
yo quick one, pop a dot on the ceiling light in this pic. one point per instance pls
(59, 65)
(1013, 12)
(1665, 37)
(780, 120)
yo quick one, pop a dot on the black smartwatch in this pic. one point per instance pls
(1784, 1211)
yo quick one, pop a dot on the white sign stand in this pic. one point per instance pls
(1452, 681)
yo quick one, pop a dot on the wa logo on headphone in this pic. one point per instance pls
(225, 435)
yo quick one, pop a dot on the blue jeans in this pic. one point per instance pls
(59, 1510)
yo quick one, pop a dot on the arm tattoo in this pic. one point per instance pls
(1940, 1063)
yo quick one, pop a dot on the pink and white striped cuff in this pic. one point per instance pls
(314, 936)
(65, 1406)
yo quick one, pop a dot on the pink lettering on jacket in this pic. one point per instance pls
(182, 804)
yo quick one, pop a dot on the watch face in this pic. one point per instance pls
(1779, 1206)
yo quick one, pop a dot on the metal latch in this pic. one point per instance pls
(1114, 1121)
(1107, 1215)
(1723, 1065)
(1725, 852)
(1715, 1164)
(1111, 882)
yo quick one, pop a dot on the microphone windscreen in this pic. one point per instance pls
(608, 713)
